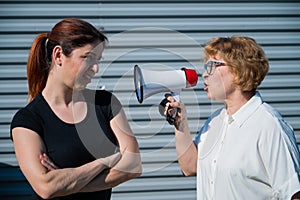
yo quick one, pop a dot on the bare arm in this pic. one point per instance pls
(127, 168)
(28, 148)
(186, 150)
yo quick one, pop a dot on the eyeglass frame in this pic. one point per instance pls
(211, 64)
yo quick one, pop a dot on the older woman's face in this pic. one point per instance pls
(219, 83)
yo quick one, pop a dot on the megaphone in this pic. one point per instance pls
(149, 82)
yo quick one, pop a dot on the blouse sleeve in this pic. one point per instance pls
(281, 159)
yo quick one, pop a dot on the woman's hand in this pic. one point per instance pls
(47, 163)
(174, 111)
(181, 118)
(111, 161)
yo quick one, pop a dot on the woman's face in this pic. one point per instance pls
(82, 65)
(219, 83)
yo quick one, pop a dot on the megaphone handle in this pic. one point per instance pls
(176, 95)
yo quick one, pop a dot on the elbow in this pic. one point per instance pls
(136, 170)
(189, 173)
(132, 175)
(139, 168)
(44, 191)
(45, 195)
(190, 170)
(188, 167)
(136, 167)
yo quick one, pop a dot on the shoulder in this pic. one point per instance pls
(275, 127)
(272, 117)
(31, 116)
(33, 109)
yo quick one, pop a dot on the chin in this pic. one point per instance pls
(215, 98)
(208, 94)
(80, 87)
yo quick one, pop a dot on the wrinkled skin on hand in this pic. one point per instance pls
(171, 110)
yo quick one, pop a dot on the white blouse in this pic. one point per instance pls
(250, 155)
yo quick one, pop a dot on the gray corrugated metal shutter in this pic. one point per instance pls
(153, 34)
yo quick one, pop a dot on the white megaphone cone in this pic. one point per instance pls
(148, 82)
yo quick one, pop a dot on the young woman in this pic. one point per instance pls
(244, 150)
(67, 138)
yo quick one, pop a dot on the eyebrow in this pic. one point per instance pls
(90, 53)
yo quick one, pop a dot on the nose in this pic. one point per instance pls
(204, 75)
(95, 68)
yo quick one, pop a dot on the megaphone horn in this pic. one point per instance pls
(149, 82)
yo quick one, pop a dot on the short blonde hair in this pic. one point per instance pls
(246, 59)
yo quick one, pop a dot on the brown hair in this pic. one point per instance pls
(245, 58)
(70, 34)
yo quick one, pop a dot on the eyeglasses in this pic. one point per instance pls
(211, 64)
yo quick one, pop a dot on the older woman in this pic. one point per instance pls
(244, 150)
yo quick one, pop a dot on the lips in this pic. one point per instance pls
(87, 78)
(88, 75)
(205, 87)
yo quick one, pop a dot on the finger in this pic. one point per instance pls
(167, 95)
(117, 155)
(112, 160)
(175, 104)
(46, 165)
(49, 162)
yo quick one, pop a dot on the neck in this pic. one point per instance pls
(237, 100)
(57, 93)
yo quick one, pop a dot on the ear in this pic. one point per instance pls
(57, 55)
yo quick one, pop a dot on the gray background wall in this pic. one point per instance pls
(155, 35)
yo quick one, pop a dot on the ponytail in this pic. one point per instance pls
(37, 66)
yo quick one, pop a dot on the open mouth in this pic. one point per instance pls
(205, 87)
